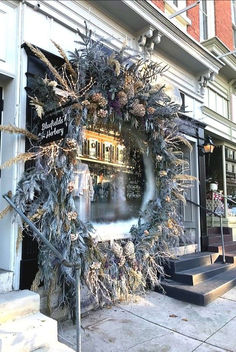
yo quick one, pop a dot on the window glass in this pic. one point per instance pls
(234, 11)
(110, 181)
(204, 20)
(216, 102)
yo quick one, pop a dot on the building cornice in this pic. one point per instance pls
(217, 47)
(148, 11)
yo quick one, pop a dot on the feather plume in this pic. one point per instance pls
(5, 211)
(21, 157)
(68, 64)
(43, 58)
(14, 129)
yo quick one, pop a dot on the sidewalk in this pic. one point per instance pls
(157, 323)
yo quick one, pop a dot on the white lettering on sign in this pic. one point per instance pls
(53, 129)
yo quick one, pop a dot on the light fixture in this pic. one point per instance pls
(208, 146)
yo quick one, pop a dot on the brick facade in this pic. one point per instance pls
(194, 15)
(223, 22)
(159, 3)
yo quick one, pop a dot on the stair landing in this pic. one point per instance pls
(200, 278)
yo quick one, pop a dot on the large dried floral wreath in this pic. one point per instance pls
(97, 90)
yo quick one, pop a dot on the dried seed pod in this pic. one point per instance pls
(129, 249)
(122, 98)
(117, 250)
(138, 109)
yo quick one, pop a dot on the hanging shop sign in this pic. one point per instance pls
(53, 128)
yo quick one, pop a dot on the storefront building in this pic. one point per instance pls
(147, 30)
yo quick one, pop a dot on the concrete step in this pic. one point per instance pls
(57, 347)
(28, 333)
(17, 304)
(217, 231)
(190, 261)
(229, 246)
(204, 292)
(6, 278)
(212, 239)
(196, 275)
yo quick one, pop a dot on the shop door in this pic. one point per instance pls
(29, 260)
(190, 212)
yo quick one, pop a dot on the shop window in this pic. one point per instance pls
(112, 190)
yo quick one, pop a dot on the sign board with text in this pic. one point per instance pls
(53, 128)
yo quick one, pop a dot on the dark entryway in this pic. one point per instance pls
(29, 260)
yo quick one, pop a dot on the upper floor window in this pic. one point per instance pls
(234, 20)
(204, 20)
(216, 102)
(207, 19)
(234, 11)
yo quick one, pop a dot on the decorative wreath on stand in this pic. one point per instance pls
(101, 91)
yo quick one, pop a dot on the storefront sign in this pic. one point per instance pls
(52, 128)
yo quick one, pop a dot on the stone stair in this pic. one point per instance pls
(6, 278)
(23, 328)
(199, 278)
(214, 240)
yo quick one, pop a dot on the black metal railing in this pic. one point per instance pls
(64, 262)
(221, 225)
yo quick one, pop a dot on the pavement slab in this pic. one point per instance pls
(188, 319)
(158, 323)
(225, 337)
(116, 330)
(230, 294)
(167, 342)
(209, 348)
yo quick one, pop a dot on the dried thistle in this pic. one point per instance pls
(138, 109)
(122, 98)
(113, 62)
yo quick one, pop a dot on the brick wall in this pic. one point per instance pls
(159, 3)
(223, 22)
(193, 15)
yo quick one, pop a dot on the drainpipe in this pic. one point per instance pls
(224, 183)
(19, 143)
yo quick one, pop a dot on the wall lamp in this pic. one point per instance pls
(208, 146)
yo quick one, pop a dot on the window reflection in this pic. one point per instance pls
(109, 181)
